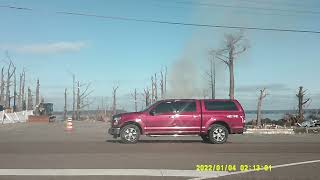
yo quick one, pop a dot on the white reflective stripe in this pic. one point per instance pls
(232, 116)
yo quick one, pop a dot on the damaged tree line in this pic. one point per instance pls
(13, 94)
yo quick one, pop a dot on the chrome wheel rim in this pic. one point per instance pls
(219, 134)
(130, 134)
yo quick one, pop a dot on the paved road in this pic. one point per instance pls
(26, 146)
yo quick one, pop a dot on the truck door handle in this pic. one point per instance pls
(172, 117)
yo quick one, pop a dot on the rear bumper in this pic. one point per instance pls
(114, 131)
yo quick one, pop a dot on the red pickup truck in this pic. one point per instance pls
(212, 119)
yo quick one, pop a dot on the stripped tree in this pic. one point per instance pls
(212, 74)
(22, 94)
(155, 88)
(233, 47)
(152, 89)
(10, 72)
(134, 96)
(81, 97)
(301, 103)
(73, 96)
(14, 92)
(114, 103)
(147, 97)
(262, 95)
(165, 81)
(30, 101)
(37, 93)
(65, 105)
(161, 85)
(2, 99)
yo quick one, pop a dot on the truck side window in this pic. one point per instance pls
(184, 106)
(220, 105)
(164, 107)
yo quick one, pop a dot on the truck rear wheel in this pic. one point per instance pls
(218, 134)
(130, 134)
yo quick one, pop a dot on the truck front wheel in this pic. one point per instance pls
(130, 134)
(218, 134)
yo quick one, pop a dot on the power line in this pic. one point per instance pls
(244, 7)
(178, 23)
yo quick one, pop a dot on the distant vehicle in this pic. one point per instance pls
(213, 120)
(45, 110)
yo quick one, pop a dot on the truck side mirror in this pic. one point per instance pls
(152, 112)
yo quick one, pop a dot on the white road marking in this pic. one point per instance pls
(109, 172)
(276, 166)
(195, 175)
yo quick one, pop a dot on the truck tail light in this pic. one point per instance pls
(243, 119)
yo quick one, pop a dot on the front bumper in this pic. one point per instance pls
(114, 131)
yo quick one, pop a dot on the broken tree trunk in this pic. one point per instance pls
(301, 103)
(14, 93)
(147, 96)
(152, 89)
(161, 85)
(65, 105)
(155, 88)
(78, 101)
(38, 93)
(134, 95)
(2, 99)
(30, 103)
(114, 103)
(263, 94)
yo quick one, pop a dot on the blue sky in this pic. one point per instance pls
(110, 52)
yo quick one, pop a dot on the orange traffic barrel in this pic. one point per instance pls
(69, 124)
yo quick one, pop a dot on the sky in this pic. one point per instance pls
(110, 53)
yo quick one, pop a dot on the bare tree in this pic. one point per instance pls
(212, 74)
(147, 96)
(14, 92)
(301, 103)
(152, 90)
(81, 96)
(19, 103)
(134, 96)
(234, 46)
(262, 95)
(74, 96)
(22, 93)
(155, 87)
(2, 99)
(161, 85)
(30, 101)
(165, 81)
(114, 103)
(38, 93)
(10, 72)
(65, 105)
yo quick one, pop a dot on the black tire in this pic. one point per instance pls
(205, 138)
(130, 134)
(218, 134)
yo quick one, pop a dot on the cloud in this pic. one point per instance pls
(46, 48)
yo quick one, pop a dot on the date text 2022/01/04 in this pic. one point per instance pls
(233, 167)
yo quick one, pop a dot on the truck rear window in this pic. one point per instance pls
(220, 105)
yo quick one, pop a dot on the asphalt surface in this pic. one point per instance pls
(43, 146)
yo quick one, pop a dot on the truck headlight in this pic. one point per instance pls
(116, 120)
